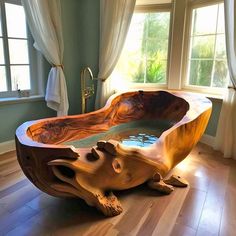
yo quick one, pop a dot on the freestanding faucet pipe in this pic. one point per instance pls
(86, 92)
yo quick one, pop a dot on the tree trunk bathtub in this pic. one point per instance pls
(137, 137)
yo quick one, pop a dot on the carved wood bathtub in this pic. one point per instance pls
(89, 172)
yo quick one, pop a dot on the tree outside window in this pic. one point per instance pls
(207, 56)
(144, 57)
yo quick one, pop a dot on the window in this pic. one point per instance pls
(164, 48)
(207, 63)
(144, 56)
(14, 49)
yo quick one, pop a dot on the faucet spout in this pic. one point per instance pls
(86, 91)
(89, 71)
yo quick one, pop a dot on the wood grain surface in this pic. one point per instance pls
(91, 173)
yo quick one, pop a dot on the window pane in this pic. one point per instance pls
(204, 20)
(18, 50)
(221, 19)
(208, 62)
(156, 34)
(2, 61)
(20, 77)
(3, 81)
(144, 56)
(203, 47)
(200, 72)
(220, 74)
(220, 46)
(138, 73)
(156, 71)
(16, 24)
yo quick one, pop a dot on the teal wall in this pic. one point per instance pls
(80, 19)
(81, 37)
(11, 116)
(212, 125)
(14, 114)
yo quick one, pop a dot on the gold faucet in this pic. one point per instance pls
(86, 91)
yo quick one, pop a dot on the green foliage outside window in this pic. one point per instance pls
(154, 48)
(144, 57)
(208, 63)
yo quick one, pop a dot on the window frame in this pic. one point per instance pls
(35, 58)
(186, 50)
(154, 8)
(177, 78)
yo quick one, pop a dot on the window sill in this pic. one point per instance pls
(211, 96)
(15, 100)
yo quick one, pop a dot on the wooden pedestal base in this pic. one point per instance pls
(114, 167)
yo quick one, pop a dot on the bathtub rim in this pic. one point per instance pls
(22, 136)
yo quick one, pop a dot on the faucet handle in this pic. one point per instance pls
(89, 91)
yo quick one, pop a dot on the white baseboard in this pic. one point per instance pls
(208, 139)
(7, 146)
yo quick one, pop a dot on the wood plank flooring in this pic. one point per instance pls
(207, 207)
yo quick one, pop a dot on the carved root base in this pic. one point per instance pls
(115, 170)
(166, 186)
(161, 186)
(176, 181)
(109, 205)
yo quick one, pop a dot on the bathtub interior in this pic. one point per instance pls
(140, 133)
(134, 118)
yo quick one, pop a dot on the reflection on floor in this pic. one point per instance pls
(208, 207)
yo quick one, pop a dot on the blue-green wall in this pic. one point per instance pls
(11, 116)
(81, 37)
(212, 125)
(80, 19)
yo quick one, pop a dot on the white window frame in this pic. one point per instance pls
(167, 7)
(178, 48)
(35, 59)
(187, 42)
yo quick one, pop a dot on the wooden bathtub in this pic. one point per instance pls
(42, 142)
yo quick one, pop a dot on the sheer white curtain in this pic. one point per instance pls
(115, 18)
(226, 132)
(44, 20)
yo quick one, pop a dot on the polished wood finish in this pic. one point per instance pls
(24, 210)
(91, 173)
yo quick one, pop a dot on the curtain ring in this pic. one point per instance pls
(60, 65)
(100, 79)
(232, 87)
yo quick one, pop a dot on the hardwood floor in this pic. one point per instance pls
(207, 207)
